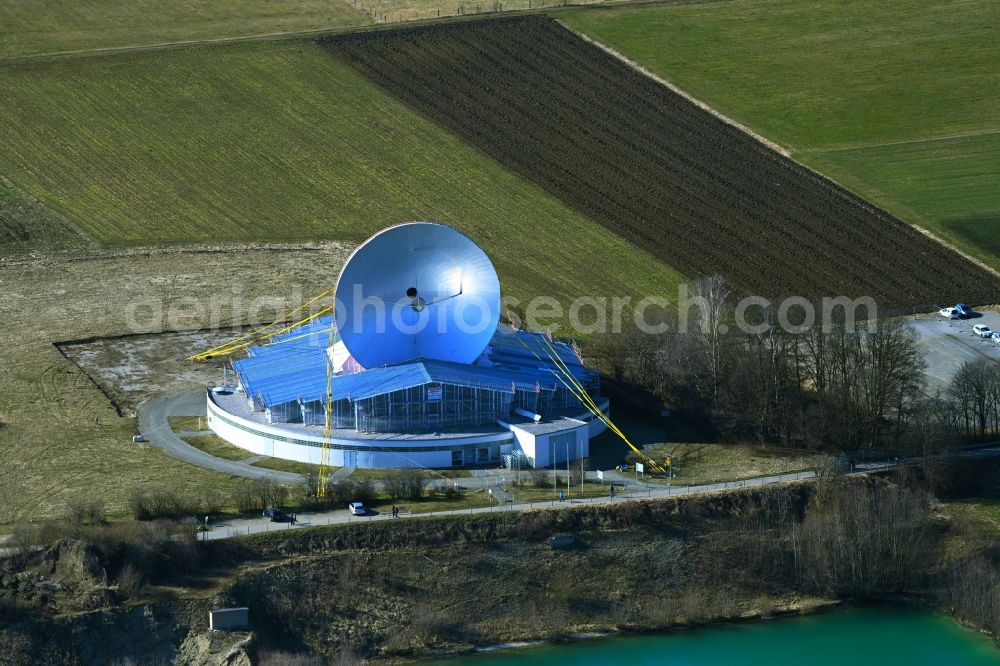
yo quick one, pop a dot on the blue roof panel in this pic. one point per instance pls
(294, 367)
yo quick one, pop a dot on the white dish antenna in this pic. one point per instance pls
(417, 290)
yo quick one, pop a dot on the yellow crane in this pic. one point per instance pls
(324, 452)
(279, 327)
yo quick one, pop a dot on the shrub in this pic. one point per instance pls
(540, 478)
(81, 512)
(131, 581)
(244, 496)
(210, 501)
(345, 491)
(405, 484)
(863, 539)
(150, 503)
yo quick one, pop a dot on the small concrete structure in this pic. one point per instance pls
(229, 619)
(557, 440)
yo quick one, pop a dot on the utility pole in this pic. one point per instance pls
(568, 475)
(555, 478)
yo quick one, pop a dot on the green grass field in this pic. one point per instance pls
(63, 440)
(289, 466)
(948, 186)
(187, 423)
(697, 464)
(214, 445)
(363, 474)
(983, 512)
(411, 10)
(30, 27)
(279, 141)
(841, 85)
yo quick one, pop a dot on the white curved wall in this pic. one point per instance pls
(266, 440)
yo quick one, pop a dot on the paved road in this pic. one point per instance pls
(153, 426)
(245, 526)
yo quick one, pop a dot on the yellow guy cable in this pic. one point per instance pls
(210, 352)
(588, 402)
(554, 355)
(291, 327)
(223, 350)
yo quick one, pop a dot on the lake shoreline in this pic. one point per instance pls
(840, 610)
(815, 607)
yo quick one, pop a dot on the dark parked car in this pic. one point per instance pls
(275, 515)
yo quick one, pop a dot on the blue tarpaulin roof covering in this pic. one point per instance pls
(294, 367)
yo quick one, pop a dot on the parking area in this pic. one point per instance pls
(947, 344)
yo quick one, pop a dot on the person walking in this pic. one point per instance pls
(612, 491)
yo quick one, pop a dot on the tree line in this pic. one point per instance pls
(831, 387)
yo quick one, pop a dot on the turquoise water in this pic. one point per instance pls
(849, 637)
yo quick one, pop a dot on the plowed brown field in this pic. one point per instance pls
(695, 191)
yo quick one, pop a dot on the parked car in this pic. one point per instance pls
(996, 337)
(275, 515)
(357, 508)
(963, 310)
(982, 331)
(950, 313)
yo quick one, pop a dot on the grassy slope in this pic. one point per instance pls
(280, 141)
(823, 76)
(45, 26)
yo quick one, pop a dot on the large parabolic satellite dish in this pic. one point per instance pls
(417, 290)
